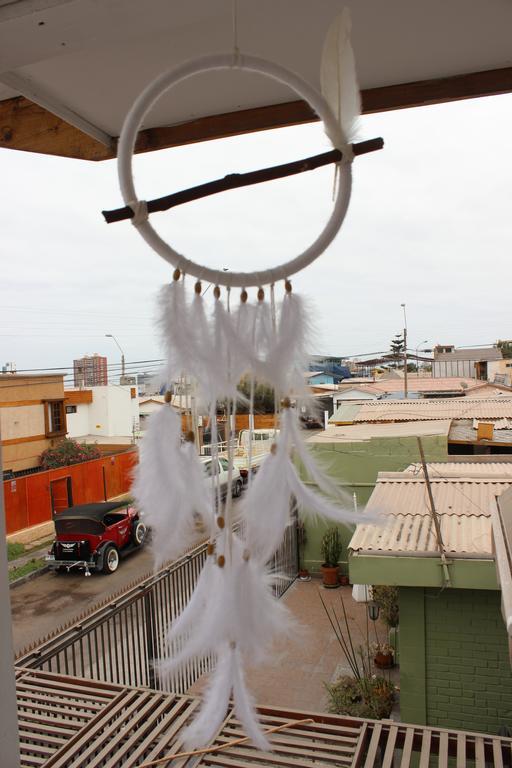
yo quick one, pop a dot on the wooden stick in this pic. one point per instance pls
(236, 180)
(221, 747)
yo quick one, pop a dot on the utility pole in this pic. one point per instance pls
(406, 392)
(111, 336)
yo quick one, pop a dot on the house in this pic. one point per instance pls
(319, 377)
(107, 415)
(449, 361)
(454, 656)
(353, 456)
(32, 418)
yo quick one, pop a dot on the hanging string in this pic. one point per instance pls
(277, 394)
(231, 417)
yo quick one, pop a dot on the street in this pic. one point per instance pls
(49, 601)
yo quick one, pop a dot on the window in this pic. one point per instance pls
(54, 418)
(70, 408)
(224, 463)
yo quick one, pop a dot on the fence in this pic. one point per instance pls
(120, 642)
(31, 499)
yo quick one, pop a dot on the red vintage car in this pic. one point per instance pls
(95, 536)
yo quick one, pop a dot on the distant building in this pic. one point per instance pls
(449, 361)
(90, 371)
(106, 415)
(32, 418)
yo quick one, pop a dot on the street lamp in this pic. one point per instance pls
(405, 352)
(417, 349)
(111, 336)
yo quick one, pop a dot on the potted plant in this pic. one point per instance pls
(382, 655)
(331, 551)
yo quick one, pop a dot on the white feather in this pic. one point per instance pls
(244, 707)
(339, 80)
(169, 487)
(206, 724)
(289, 351)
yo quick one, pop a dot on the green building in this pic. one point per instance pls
(455, 667)
(354, 455)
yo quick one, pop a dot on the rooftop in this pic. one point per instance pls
(360, 432)
(421, 410)
(463, 497)
(477, 354)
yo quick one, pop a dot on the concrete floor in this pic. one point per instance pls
(301, 664)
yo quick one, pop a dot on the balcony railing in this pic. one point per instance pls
(120, 642)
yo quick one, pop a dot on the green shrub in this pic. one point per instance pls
(68, 452)
(331, 547)
(14, 550)
(361, 697)
(386, 598)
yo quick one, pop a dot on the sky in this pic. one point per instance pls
(429, 225)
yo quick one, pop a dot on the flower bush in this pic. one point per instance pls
(368, 696)
(68, 452)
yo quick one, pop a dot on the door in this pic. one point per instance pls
(61, 495)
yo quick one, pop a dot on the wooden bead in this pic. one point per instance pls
(287, 286)
(273, 449)
(220, 521)
(168, 396)
(210, 549)
(286, 402)
(243, 296)
(198, 287)
(221, 561)
(176, 275)
(216, 292)
(261, 294)
(246, 555)
(190, 437)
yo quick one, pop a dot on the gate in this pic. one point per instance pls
(120, 642)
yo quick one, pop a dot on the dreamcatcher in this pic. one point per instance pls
(232, 613)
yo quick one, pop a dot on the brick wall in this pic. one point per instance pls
(455, 670)
(468, 672)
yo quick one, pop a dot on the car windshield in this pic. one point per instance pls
(80, 525)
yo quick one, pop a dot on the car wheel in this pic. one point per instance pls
(237, 488)
(110, 559)
(138, 533)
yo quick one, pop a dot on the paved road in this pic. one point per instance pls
(41, 605)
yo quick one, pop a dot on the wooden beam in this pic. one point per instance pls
(26, 126)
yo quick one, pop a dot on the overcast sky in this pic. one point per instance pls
(430, 224)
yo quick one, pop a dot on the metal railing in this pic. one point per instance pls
(121, 641)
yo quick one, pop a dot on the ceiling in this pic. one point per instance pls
(82, 62)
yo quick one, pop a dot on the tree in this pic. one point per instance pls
(263, 397)
(68, 452)
(506, 348)
(397, 348)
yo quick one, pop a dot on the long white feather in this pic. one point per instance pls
(244, 707)
(205, 726)
(338, 79)
(289, 354)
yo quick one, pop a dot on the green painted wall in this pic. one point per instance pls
(455, 669)
(355, 466)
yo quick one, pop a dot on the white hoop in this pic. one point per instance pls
(169, 79)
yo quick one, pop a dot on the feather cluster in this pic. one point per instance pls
(232, 615)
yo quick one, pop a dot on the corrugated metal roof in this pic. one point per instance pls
(422, 410)
(420, 384)
(482, 353)
(464, 432)
(463, 506)
(467, 469)
(353, 433)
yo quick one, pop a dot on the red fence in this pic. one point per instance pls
(30, 500)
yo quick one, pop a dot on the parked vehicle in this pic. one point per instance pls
(261, 443)
(95, 536)
(237, 483)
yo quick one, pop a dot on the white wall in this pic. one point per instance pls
(450, 368)
(112, 413)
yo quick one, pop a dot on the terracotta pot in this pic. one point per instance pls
(344, 580)
(330, 576)
(304, 575)
(383, 660)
